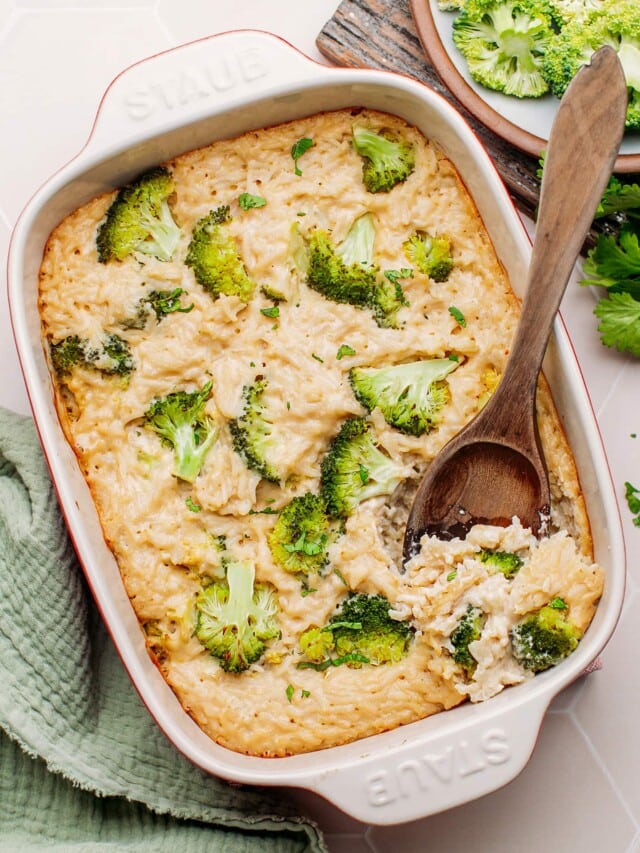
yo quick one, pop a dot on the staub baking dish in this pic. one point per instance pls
(219, 87)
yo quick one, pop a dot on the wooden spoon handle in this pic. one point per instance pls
(583, 144)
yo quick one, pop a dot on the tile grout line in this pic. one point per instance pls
(606, 772)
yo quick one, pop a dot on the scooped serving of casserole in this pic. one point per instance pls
(257, 348)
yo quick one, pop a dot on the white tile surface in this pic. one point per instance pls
(581, 790)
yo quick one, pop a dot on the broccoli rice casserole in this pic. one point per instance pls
(257, 348)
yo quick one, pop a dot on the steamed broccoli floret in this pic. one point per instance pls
(252, 432)
(387, 159)
(502, 561)
(360, 632)
(140, 220)
(564, 11)
(503, 43)
(543, 638)
(355, 469)
(181, 422)
(613, 23)
(468, 630)
(213, 255)
(431, 255)
(158, 302)
(346, 272)
(114, 357)
(111, 355)
(300, 536)
(236, 618)
(163, 302)
(71, 352)
(410, 396)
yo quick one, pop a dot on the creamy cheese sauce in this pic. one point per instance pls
(166, 551)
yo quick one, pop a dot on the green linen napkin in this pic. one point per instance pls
(82, 764)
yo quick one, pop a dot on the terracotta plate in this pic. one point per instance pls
(524, 123)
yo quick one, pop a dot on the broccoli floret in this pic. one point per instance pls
(213, 255)
(360, 632)
(431, 255)
(301, 535)
(163, 302)
(140, 220)
(355, 469)
(468, 629)
(252, 431)
(615, 24)
(110, 356)
(346, 272)
(236, 618)
(503, 43)
(387, 299)
(181, 422)
(114, 357)
(71, 352)
(545, 637)
(387, 159)
(158, 302)
(564, 11)
(410, 396)
(502, 561)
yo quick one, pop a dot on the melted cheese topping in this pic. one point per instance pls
(166, 551)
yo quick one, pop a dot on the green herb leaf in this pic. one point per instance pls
(298, 149)
(452, 575)
(457, 315)
(344, 350)
(274, 311)
(340, 576)
(632, 495)
(558, 603)
(619, 327)
(248, 201)
(305, 693)
(395, 275)
(194, 507)
(290, 691)
(317, 358)
(352, 657)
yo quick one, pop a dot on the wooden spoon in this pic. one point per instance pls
(494, 469)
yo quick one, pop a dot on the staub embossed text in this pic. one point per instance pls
(425, 772)
(195, 83)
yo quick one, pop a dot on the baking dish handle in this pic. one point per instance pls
(189, 82)
(435, 772)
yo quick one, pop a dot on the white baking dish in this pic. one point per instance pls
(220, 87)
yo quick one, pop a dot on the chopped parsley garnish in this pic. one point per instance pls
(298, 149)
(273, 312)
(396, 275)
(344, 350)
(248, 201)
(290, 691)
(457, 315)
(632, 495)
(194, 507)
(558, 603)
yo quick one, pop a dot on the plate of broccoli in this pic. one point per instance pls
(510, 61)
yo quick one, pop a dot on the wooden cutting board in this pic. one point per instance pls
(382, 34)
